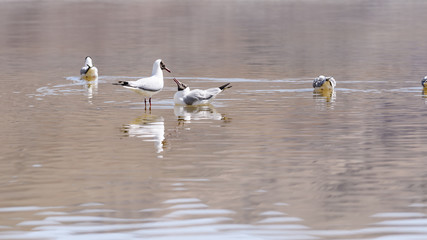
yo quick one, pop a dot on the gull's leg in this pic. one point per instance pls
(149, 100)
(145, 103)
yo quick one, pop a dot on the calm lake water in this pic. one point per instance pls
(267, 160)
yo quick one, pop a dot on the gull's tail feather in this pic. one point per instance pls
(225, 86)
(121, 83)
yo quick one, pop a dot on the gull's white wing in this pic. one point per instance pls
(151, 84)
(198, 95)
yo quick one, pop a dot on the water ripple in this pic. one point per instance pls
(196, 220)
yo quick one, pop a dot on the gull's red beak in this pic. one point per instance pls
(167, 69)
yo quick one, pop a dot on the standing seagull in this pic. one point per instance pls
(185, 96)
(323, 83)
(148, 86)
(88, 71)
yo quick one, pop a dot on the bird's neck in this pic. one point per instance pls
(157, 71)
(89, 63)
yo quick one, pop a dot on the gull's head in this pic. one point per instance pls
(424, 81)
(88, 61)
(181, 86)
(159, 63)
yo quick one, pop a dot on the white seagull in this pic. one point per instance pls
(424, 82)
(323, 83)
(148, 86)
(88, 71)
(185, 96)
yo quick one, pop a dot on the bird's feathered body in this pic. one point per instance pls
(150, 85)
(147, 87)
(89, 71)
(185, 96)
(323, 83)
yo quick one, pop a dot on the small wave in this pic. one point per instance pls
(210, 79)
(358, 90)
(281, 90)
(406, 90)
(25, 208)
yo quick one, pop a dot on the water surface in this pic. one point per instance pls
(269, 159)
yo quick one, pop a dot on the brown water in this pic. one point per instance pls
(268, 160)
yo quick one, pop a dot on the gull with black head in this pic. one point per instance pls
(185, 96)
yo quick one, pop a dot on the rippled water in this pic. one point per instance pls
(269, 159)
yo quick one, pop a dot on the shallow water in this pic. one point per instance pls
(269, 159)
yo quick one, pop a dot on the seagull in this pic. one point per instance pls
(148, 86)
(424, 82)
(185, 96)
(88, 71)
(323, 83)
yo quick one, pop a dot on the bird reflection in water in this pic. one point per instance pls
(150, 128)
(324, 95)
(200, 112)
(424, 94)
(91, 87)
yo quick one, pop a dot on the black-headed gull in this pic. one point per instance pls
(150, 85)
(88, 71)
(424, 82)
(323, 83)
(185, 96)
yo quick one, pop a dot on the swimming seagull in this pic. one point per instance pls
(424, 82)
(323, 83)
(148, 86)
(88, 71)
(185, 96)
